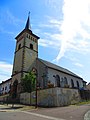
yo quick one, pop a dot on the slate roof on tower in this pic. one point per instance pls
(28, 26)
(27, 29)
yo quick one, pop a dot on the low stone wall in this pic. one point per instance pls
(51, 97)
(28, 98)
(4, 98)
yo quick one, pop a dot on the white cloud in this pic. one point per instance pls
(76, 20)
(54, 4)
(78, 64)
(73, 29)
(5, 71)
(49, 43)
(51, 23)
(52, 38)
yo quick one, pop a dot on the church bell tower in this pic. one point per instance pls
(26, 53)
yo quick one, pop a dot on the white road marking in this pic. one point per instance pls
(43, 116)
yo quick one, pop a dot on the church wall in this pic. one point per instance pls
(42, 74)
(17, 76)
(52, 97)
(25, 58)
(19, 42)
(29, 59)
(30, 55)
(52, 72)
(33, 41)
(18, 56)
(18, 61)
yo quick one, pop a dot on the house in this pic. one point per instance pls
(5, 87)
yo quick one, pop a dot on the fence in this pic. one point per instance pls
(85, 94)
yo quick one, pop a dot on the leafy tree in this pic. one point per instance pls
(29, 82)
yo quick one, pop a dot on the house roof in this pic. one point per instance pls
(3, 82)
(56, 67)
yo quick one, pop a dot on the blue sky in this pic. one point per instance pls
(62, 25)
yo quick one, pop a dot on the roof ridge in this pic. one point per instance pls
(54, 66)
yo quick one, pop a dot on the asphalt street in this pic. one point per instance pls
(72, 112)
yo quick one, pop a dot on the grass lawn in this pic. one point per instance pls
(83, 102)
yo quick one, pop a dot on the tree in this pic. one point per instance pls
(13, 92)
(29, 82)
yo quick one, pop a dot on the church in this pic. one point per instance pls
(26, 59)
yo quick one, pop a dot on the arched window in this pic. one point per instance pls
(31, 46)
(19, 46)
(77, 84)
(72, 83)
(62, 82)
(65, 81)
(57, 80)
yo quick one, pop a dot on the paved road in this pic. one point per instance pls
(67, 113)
(18, 116)
(59, 113)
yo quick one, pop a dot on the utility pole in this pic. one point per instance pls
(36, 90)
(34, 70)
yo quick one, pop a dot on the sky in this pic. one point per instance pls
(62, 25)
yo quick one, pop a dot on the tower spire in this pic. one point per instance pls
(28, 22)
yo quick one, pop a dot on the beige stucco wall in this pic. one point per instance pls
(51, 97)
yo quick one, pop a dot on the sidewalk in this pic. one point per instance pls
(15, 107)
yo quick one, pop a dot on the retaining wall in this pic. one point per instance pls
(51, 97)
